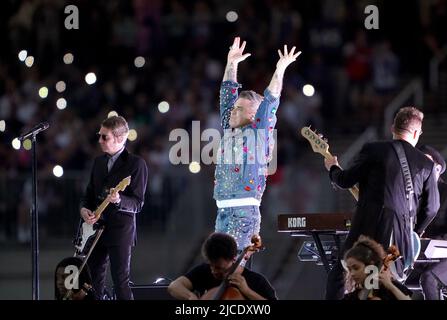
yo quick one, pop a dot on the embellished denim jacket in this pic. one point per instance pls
(244, 153)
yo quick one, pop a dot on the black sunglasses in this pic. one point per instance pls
(102, 136)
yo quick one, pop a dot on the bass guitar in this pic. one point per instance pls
(320, 145)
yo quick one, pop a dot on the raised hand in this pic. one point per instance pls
(236, 53)
(286, 58)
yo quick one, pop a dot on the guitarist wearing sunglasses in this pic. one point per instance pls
(385, 210)
(118, 218)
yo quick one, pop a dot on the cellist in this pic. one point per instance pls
(220, 252)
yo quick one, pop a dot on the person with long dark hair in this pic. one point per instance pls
(366, 254)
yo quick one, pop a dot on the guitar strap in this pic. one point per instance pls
(409, 217)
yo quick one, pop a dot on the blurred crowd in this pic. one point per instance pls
(355, 73)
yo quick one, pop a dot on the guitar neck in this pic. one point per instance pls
(354, 190)
(101, 208)
(327, 155)
(320, 146)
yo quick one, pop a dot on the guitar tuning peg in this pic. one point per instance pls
(320, 135)
(325, 140)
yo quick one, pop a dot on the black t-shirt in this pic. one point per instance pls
(382, 292)
(202, 280)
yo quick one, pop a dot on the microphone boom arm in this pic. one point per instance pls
(34, 131)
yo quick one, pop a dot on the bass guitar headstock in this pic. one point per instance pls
(317, 142)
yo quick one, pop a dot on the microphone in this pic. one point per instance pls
(40, 127)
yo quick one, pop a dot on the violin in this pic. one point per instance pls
(225, 291)
(83, 291)
(80, 294)
(393, 255)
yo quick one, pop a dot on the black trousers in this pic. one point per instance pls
(119, 257)
(335, 286)
(433, 279)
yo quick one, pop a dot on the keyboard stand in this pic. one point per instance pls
(315, 234)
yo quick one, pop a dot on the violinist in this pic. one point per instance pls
(84, 290)
(220, 252)
(367, 252)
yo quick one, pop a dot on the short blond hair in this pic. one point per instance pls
(408, 119)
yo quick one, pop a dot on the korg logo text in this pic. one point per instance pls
(296, 222)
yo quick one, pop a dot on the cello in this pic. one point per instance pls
(225, 291)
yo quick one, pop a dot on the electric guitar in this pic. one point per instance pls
(320, 145)
(87, 232)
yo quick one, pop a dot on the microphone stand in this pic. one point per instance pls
(34, 212)
(34, 224)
